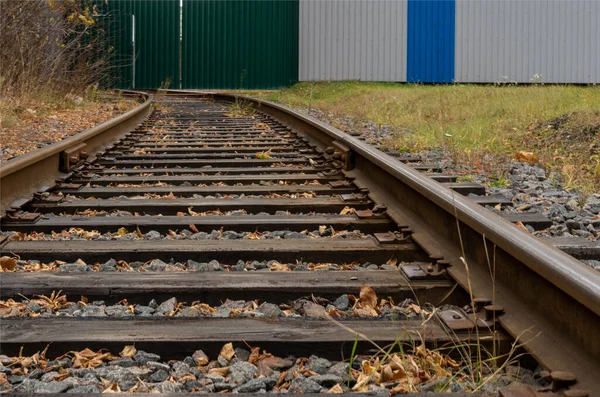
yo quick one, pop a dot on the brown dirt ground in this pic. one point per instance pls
(41, 125)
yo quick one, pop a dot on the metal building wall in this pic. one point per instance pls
(498, 40)
(353, 40)
(430, 49)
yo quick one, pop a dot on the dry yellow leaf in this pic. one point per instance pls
(122, 231)
(347, 210)
(227, 352)
(4, 380)
(7, 263)
(361, 382)
(337, 389)
(520, 225)
(368, 297)
(219, 371)
(528, 157)
(128, 351)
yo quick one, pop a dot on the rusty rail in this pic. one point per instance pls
(38, 170)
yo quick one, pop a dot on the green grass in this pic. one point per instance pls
(468, 121)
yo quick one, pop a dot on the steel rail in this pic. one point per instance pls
(552, 300)
(24, 175)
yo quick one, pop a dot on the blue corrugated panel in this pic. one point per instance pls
(431, 41)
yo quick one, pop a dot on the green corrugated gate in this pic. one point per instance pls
(155, 39)
(213, 43)
(239, 43)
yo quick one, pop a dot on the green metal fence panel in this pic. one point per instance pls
(231, 44)
(145, 42)
(157, 41)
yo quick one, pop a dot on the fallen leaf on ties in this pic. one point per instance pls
(227, 352)
(7, 263)
(368, 297)
(128, 351)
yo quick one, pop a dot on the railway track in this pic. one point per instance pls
(221, 220)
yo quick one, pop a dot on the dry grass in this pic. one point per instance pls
(495, 120)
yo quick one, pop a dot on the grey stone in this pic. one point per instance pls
(312, 309)
(436, 385)
(152, 235)
(295, 235)
(372, 267)
(123, 362)
(251, 386)
(140, 309)
(36, 373)
(241, 372)
(49, 376)
(143, 357)
(136, 264)
(327, 380)
(51, 387)
(14, 379)
(169, 387)
(157, 365)
(259, 265)
(167, 306)
(342, 303)
(117, 311)
(156, 266)
(127, 384)
(242, 354)
(86, 389)
(376, 389)
(189, 361)
(340, 369)
(222, 312)
(220, 386)
(318, 364)
(271, 381)
(204, 267)
(301, 384)
(189, 312)
(74, 268)
(270, 310)
(106, 268)
(159, 376)
(93, 311)
(110, 262)
(216, 378)
(34, 307)
(180, 367)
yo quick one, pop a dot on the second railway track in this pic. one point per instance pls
(215, 197)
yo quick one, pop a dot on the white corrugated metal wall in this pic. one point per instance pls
(514, 40)
(352, 40)
(495, 40)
